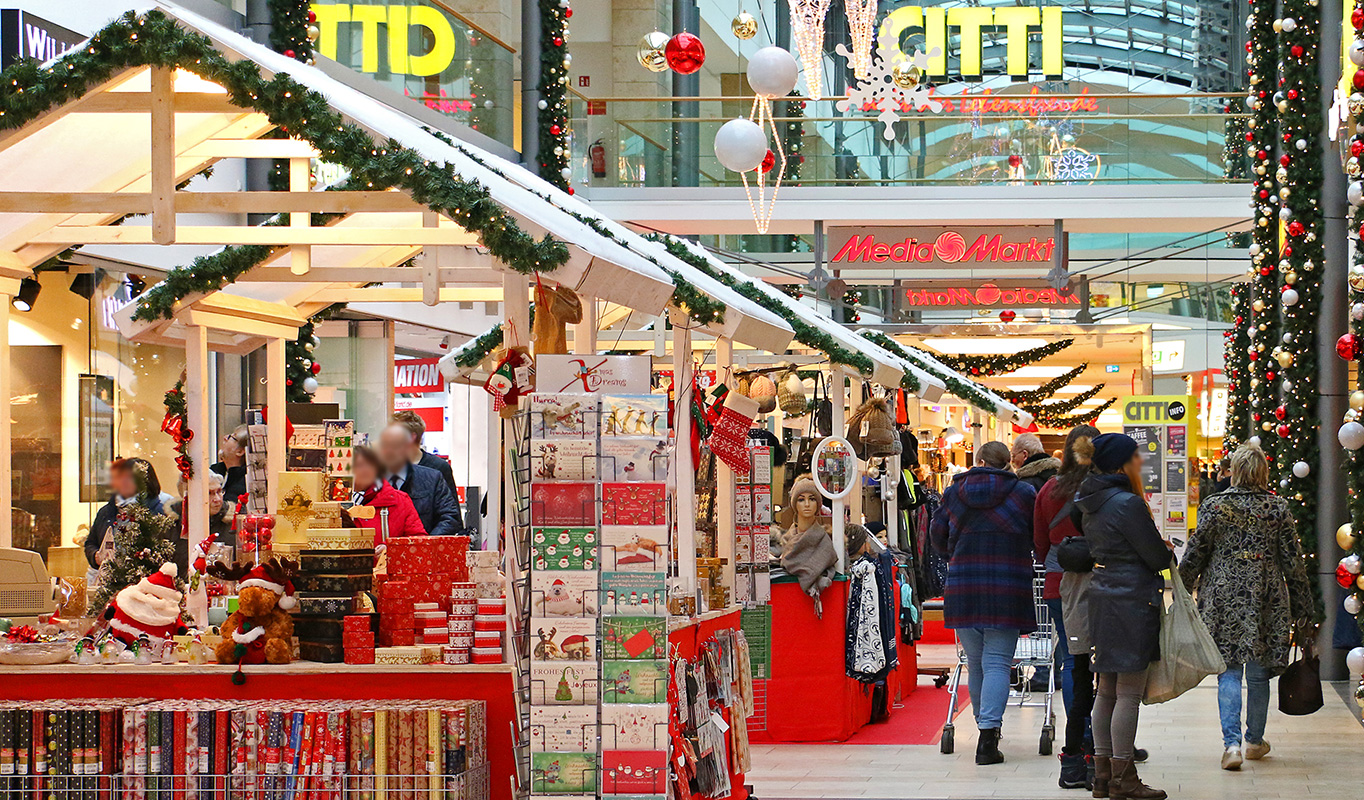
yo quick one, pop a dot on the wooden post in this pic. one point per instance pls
(431, 263)
(977, 431)
(725, 484)
(6, 492)
(300, 255)
(839, 395)
(278, 406)
(683, 468)
(516, 305)
(492, 526)
(163, 154)
(195, 501)
(585, 332)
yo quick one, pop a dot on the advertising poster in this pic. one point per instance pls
(1163, 425)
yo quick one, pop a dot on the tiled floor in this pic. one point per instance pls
(1316, 755)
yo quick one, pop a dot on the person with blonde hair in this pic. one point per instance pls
(1124, 605)
(1245, 566)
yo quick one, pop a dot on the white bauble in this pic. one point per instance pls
(740, 145)
(1352, 563)
(1290, 297)
(772, 72)
(567, 172)
(542, 105)
(1253, 250)
(310, 385)
(1301, 144)
(1357, 311)
(1289, 24)
(1353, 605)
(1302, 469)
(1354, 661)
(1351, 435)
(1357, 52)
(1355, 193)
(1254, 441)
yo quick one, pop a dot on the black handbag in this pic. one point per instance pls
(822, 421)
(1300, 684)
(1073, 554)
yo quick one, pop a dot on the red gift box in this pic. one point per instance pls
(357, 639)
(396, 638)
(359, 655)
(396, 622)
(424, 555)
(356, 622)
(435, 636)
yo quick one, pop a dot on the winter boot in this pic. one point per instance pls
(987, 747)
(1125, 785)
(1103, 775)
(1074, 773)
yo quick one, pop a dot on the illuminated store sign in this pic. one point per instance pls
(398, 20)
(942, 246)
(970, 22)
(23, 35)
(991, 294)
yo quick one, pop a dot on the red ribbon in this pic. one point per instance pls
(24, 634)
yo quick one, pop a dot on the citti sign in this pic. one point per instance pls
(941, 247)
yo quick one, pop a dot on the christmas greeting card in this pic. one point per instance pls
(634, 459)
(563, 504)
(563, 460)
(563, 728)
(634, 504)
(634, 727)
(633, 771)
(563, 593)
(634, 548)
(635, 682)
(563, 683)
(634, 415)
(563, 773)
(563, 639)
(641, 593)
(562, 415)
(634, 638)
(563, 548)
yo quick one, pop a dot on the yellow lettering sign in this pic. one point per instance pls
(970, 22)
(398, 22)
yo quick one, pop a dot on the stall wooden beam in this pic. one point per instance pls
(6, 492)
(516, 311)
(685, 490)
(186, 202)
(300, 255)
(839, 395)
(430, 263)
(141, 102)
(725, 484)
(163, 155)
(277, 406)
(195, 501)
(254, 148)
(270, 235)
(585, 332)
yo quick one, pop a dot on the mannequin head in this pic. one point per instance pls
(806, 500)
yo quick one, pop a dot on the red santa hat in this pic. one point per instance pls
(262, 579)
(150, 607)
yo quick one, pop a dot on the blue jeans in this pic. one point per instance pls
(989, 655)
(1257, 703)
(1065, 662)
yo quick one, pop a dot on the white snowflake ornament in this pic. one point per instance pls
(880, 91)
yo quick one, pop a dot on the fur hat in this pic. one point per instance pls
(804, 484)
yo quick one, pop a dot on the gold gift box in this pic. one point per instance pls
(399, 655)
(340, 539)
(299, 493)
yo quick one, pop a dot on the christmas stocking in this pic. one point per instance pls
(729, 439)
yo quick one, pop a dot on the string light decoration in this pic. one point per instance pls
(553, 85)
(1346, 537)
(1260, 321)
(1046, 390)
(293, 29)
(985, 366)
(1300, 121)
(1236, 365)
(807, 28)
(861, 30)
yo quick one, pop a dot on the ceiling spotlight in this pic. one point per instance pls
(84, 284)
(28, 294)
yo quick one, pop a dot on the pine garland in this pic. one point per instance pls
(1237, 366)
(1261, 319)
(910, 382)
(985, 366)
(1046, 390)
(1063, 406)
(1046, 419)
(289, 23)
(553, 87)
(967, 391)
(28, 89)
(1354, 464)
(473, 352)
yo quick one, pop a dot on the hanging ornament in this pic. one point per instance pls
(861, 16)
(1352, 604)
(1347, 347)
(650, 53)
(685, 53)
(1357, 400)
(1351, 435)
(740, 145)
(906, 75)
(807, 27)
(1354, 661)
(769, 161)
(1346, 538)
(310, 385)
(1351, 563)
(1290, 297)
(772, 73)
(1302, 469)
(744, 26)
(1007, 315)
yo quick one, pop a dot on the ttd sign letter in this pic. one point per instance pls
(397, 20)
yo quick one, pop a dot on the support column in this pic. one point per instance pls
(516, 310)
(683, 469)
(1333, 379)
(531, 56)
(6, 491)
(686, 149)
(855, 384)
(977, 430)
(276, 442)
(195, 502)
(839, 397)
(724, 483)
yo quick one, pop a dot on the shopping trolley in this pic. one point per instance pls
(1033, 650)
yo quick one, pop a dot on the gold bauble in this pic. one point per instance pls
(313, 32)
(1345, 537)
(1265, 426)
(905, 75)
(1357, 400)
(1359, 695)
(651, 51)
(1359, 582)
(1258, 305)
(1352, 167)
(744, 26)
(1254, 383)
(1356, 280)
(1284, 358)
(1290, 278)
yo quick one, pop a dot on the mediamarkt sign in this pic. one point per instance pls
(941, 246)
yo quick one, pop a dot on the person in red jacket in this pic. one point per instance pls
(1052, 524)
(394, 513)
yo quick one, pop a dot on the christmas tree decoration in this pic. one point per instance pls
(300, 365)
(685, 53)
(1048, 389)
(906, 75)
(744, 26)
(293, 29)
(650, 53)
(553, 143)
(771, 73)
(1046, 418)
(143, 542)
(1351, 435)
(807, 28)
(986, 366)
(1236, 366)
(1346, 538)
(176, 425)
(149, 608)
(1065, 406)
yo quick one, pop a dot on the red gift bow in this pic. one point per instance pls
(24, 634)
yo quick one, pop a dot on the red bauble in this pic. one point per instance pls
(1015, 160)
(1356, 146)
(568, 13)
(1255, 416)
(570, 190)
(769, 161)
(1280, 412)
(1344, 577)
(1284, 160)
(1296, 50)
(1254, 356)
(1284, 430)
(555, 129)
(1287, 250)
(975, 370)
(1347, 348)
(684, 53)
(288, 381)
(1295, 228)
(1261, 155)
(1264, 194)
(1250, 137)
(316, 368)
(1007, 316)
(1358, 79)
(1271, 375)
(1357, 18)
(312, 17)
(290, 54)
(558, 41)
(1292, 94)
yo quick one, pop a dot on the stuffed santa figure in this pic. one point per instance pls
(150, 607)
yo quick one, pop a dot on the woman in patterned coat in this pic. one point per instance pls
(1245, 566)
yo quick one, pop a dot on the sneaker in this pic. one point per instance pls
(1257, 750)
(1231, 758)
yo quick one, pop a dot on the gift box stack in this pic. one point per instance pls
(421, 572)
(357, 638)
(329, 578)
(300, 498)
(485, 572)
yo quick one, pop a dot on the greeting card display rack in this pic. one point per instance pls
(591, 543)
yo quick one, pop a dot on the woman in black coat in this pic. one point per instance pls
(1124, 606)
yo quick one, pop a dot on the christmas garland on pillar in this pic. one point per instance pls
(176, 425)
(1349, 346)
(553, 88)
(1300, 264)
(1236, 366)
(293, 29)
(986, 366)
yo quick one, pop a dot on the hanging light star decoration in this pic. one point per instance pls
(807, 28)
(861, 16)
(885, 89)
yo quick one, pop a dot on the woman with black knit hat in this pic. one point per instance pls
(1124, 606)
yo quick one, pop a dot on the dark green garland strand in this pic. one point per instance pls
(553, 86)
(1064, 406)
(985, 366)
(1048, 420)
(289, 20)
(1236, 367)
(1354, 461)
(1262, 304)
(1046, 390)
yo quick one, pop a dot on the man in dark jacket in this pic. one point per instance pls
(984, 527)
(416, 426)
(1031, 462)
(437, 506)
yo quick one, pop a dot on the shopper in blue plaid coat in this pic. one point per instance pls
(984, 528)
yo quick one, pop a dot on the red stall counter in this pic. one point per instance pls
(685, 637)
(303, 680)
